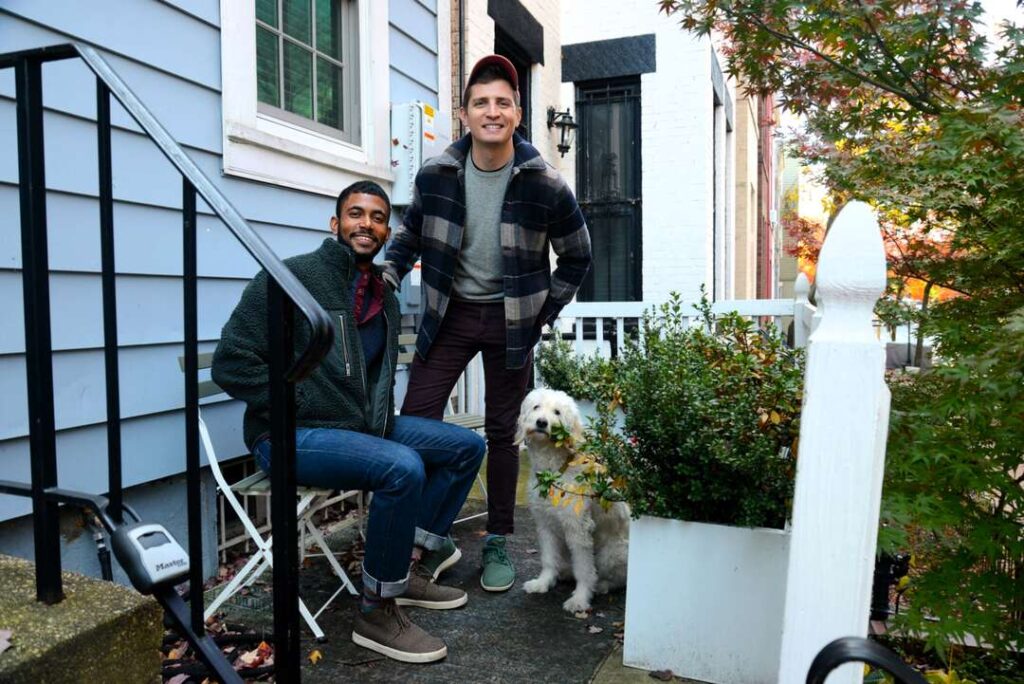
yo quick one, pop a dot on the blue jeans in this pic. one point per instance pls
(420, 477)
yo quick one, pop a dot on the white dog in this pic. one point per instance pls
(590, 546)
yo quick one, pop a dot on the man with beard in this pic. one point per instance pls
(347, 434)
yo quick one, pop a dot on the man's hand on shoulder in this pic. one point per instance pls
(390, 279)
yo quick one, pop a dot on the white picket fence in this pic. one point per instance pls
(844, 425)
(598, 325)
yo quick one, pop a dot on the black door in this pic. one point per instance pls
(608, 187)
(507, 47)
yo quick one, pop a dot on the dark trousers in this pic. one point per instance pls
(469, 328)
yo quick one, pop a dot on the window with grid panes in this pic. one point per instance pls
(306, 70)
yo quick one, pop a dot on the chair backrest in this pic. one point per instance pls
(207, 388)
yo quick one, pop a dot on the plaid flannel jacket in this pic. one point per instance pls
(539, 212)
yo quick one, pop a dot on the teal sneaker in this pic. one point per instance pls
(436, 562)
(499, 574)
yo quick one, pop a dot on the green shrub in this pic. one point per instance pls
(711, 420)
(582, 378)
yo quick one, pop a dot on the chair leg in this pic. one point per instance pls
(311, 621)
(318, 538)
(258, 558)
(483, 488)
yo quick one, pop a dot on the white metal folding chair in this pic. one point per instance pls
(310, 500)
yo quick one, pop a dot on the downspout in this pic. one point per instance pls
(462, 59)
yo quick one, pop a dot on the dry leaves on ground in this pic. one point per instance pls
(249, 653)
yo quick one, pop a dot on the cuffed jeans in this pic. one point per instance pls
(469, 328)
(420, 477)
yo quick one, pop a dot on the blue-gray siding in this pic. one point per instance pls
(169, 53)
(412, 41)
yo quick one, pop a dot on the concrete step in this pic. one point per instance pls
(100, 632)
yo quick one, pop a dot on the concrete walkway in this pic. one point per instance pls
(506, 637)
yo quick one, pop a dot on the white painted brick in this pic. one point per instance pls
(676, 129)
(676, 140)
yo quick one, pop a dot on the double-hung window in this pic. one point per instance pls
(304, 102)
(307, 64)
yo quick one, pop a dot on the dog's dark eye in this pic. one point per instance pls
(557, 412)
(536, 407)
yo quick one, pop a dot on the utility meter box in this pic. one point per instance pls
(418, 132)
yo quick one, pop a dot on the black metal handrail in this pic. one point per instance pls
(860, 650)
(286, 297)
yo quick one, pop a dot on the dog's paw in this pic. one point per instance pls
(576, 604)
(536, 586)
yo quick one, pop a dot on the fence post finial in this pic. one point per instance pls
(851, 275)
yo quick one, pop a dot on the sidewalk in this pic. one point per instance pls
(507, 637)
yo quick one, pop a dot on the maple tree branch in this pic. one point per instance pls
(793, 41)
(888, 53)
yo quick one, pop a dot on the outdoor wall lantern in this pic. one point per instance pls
(566, 125)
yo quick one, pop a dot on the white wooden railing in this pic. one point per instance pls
(597, 324)
(614, 316)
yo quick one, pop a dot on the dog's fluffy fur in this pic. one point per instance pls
(590, 546)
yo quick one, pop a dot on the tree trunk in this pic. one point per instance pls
(919, 351)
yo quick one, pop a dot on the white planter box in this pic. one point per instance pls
(705, 601)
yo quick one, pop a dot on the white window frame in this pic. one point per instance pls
(262, 147)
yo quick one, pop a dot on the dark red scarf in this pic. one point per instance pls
(369, 296)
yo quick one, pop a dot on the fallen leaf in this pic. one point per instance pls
(5, 639)
(594, 629)
(618, 624)
(178, 679)
(663, 675)
(315, 656)
(256, 657)
(582, 615)
(531, 551)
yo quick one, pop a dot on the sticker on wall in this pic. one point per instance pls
(428, 122)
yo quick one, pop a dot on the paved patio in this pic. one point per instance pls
(509, 637)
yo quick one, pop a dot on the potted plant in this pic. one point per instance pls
(706, 461)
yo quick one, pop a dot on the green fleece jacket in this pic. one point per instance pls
(341, 393)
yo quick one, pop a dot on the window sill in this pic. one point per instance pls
(275, 152)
